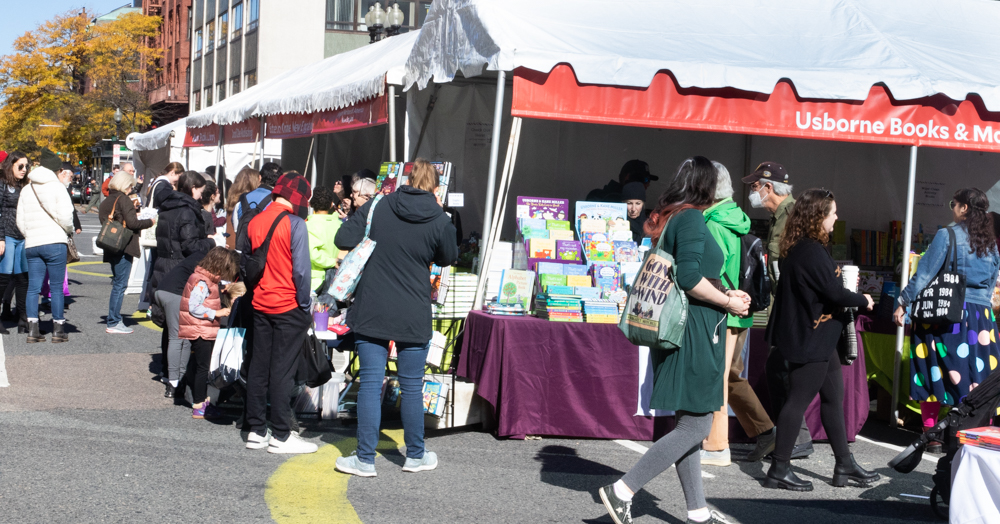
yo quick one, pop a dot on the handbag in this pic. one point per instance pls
(147, 237)
(847, 346)
(72, 255)
(314, 366)
(656, 309)
(943, 299)
(349, 273)
(227, 357)
(114, 236)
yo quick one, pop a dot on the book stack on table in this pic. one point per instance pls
(988, 437)
(511, 310)
(559, 304)
(460, 294)
(598, 311)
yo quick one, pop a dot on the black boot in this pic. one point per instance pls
(5, 280)
(59, 333)
(33, 334)
(21, 295)
(780, 475)
(847, 469)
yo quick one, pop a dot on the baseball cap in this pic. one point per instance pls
(768, 171)
(636, 171)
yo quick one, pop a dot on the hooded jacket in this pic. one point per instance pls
(727, 223)
(180, 232)
(33, 218)
(393, 298)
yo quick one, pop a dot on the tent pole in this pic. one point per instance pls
(253, 159)
(312, 144)
(492, 175)
(187, 157)
(315, 153)
(258, 166)
(494, 233)
(907, 237)
(392, 123)
(218, 163)
(406, 130)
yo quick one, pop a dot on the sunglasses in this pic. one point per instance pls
(22, 167)
(952, 204)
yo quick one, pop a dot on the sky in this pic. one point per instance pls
(21, 16)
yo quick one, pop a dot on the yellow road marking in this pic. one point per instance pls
(145, 322)
(307, 489)
(72, 269)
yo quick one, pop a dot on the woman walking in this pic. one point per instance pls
(118, 206)
(45, 218)
(688, 380)
(948, 361)
(13, 261)
(393, 302)
(805, 325)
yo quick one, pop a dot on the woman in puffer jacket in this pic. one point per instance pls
(181, 229)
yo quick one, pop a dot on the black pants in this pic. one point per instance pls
(805, 380)
(277, 347)
(201, 350)
(776, 371)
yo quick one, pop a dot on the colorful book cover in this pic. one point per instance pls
(577, 280)
(568, 250)
(600, 252)
(528, 224)
(593, 236)
(560, 290)
(553, 268)
(575, 269)
(629, 271)
(588, 225)
(588, 292)
(605, 274)
(516, 287)
(439, 283)
(626, 251)
(541, 248)
(557, 224)
(559, 234)
(549, 279)
(605, 211)
(547, 208)
(529, 233)
(619, 224)
(625, 235)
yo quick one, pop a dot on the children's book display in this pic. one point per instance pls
(987, 437)
(394, 175)
(458, 295)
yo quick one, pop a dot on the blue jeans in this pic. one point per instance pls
(121, 266)
(13, 261)
(373, 354)
(53, 258)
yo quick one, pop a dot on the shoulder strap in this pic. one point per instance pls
(111, 216)
(266, 244)
(728, 281)
(371, 211)
(39, 200)
(953, 253)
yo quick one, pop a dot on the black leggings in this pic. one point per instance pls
(202, 351)
(805, 380)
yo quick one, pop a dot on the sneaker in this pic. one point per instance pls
(255, 441)
(355, 467)
(119, 329)
(291, 446)
(620, 511)
(716, 458)
(764, 447)
(714, 518)
(427, 463)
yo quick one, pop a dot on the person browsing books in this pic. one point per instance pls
(393, 302)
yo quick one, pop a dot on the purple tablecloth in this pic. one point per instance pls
(581, 380)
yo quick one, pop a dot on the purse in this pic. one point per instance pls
(72, 255)
(147, 237)
(114, 236)
(656, 309)
(349, 273)
(943, 299)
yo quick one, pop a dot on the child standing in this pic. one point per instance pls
(201, 308)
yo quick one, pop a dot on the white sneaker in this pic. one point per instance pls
(292, 445)
(716, 458)
(255, 441)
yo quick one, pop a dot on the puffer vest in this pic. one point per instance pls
(190, 327)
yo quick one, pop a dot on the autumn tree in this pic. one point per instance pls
(62, 84)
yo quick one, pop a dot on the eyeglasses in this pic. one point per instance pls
(952, 204)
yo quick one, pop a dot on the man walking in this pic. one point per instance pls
(771, 189)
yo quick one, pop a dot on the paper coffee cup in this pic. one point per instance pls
(850, 276)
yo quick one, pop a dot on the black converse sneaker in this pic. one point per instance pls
(620, 511)
(714, 518)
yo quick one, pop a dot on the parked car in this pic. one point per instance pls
(76, 193)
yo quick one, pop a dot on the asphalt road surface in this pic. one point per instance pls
(87, 436)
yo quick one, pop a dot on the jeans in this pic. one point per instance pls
(121, 266)
(13, 261)
(277, 348)
(53, 258)
(373, 353)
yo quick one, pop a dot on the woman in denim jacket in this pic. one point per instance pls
(948, 361)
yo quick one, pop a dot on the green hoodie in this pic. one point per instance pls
(727, 223)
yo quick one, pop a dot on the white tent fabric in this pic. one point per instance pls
(159, 137)
(829, 49)
(339, 81)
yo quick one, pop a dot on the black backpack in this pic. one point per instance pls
(753, 273)
(253, 269)
(248, 211)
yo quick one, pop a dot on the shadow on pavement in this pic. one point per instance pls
(794, 510)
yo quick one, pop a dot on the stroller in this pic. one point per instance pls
(975, 410)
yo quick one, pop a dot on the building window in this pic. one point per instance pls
(220, 89)
(234, 86)
(208, 97)
(254, 14)
(340, 15)
(349, 15)
(223, 29)
(197, 100)
(210, 41)
(237, 20)
(190, 20)
(251, 79)
(197, 44)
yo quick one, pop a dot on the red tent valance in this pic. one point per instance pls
(362, 114)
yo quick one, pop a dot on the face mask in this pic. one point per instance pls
(755, 200)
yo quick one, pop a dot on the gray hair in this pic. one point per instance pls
(781, 188)
(723, 182)
(364, 187)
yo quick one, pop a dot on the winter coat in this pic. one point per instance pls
(9, 196)
(190, 327)
(727, 223)
(180, 232)
(118, 206)
(38, 228)
(393, 298)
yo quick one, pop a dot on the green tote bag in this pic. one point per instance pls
(656, 309)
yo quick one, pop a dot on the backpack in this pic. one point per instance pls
(249, 213)
(753, 273)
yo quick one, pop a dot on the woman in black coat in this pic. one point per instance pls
(393, 302)
(181, 230)
(805, 326)
(118, 206)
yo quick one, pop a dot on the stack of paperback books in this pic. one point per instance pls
(460, 293)
(559, 304)
(598, 311)
(511, 310)
(988, 437)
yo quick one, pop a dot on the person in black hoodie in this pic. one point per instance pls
(393, 302)
(13, 262)
(805, 325)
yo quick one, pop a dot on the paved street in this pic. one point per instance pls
(88, 437)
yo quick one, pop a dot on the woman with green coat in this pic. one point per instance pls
(728, 223)
(687, 380)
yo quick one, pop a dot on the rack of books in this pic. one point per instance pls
(394, 175)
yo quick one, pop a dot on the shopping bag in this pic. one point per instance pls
(314, 366)
(656, 309)
(349, 273)
(227, 357)
(943, 299)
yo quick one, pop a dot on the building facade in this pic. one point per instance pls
(169, 89)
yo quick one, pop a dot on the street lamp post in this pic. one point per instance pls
(118, 122)
(394, 18)
(375, 20)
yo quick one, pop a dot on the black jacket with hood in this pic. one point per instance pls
(180, 232)
(393, 298)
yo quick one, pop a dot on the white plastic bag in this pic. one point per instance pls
(227, 357)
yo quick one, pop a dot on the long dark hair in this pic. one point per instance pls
(189, 181)
(977, 220)
(8, 170)
(692, 187)
(806, 219)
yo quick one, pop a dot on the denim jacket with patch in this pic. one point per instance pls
(980, 272)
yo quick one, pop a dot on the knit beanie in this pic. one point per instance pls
(294, 188)
(634, 191)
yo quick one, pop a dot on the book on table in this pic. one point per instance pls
(545, 208)
(516, 287)
(611, 213)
